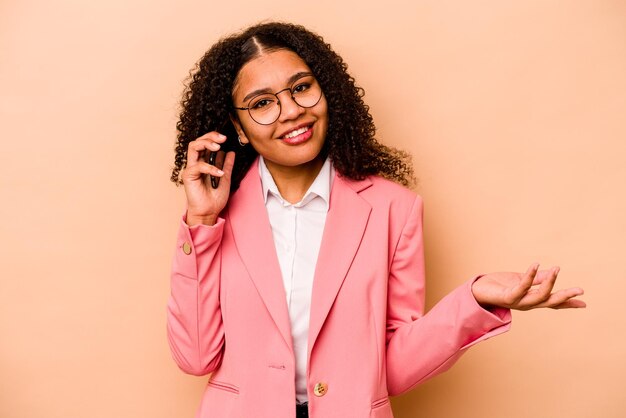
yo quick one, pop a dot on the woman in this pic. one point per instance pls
(298, 281)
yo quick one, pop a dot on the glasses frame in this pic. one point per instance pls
(290, 89)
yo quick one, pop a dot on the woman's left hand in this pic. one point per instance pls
(525, 291)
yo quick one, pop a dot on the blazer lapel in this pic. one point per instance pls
(253, 237)
(346, 221)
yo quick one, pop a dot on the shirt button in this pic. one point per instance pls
(187, 248)
(320, 389)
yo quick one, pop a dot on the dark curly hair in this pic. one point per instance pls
(350, 141)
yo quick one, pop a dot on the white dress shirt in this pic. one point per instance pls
(297, 229)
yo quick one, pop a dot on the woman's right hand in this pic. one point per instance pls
(204, 203)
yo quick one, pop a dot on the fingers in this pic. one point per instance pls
(541, 276)
(569, 304)
(200, 168)
(530, 290)
(542, 296)
(196, 171)
(197, 166)
(563, 299)
(543, 292)
(210, 141)
(522, 288)
(229, 163)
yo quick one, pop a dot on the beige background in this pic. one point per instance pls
(515, 113)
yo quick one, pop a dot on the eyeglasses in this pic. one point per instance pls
(265, 108)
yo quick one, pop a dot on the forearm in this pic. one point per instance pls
(194, 321)
(430, 345)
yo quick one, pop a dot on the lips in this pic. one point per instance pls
(298, 136)
(296, 132)
(292, 132)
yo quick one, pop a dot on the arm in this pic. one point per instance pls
(194, 321)
(421, 346)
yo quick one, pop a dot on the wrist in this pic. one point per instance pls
(193, 220)
(478, 294)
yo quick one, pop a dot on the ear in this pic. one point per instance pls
(237, 124)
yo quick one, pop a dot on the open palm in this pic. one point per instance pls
(525, 291)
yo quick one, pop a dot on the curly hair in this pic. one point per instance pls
(350, 142)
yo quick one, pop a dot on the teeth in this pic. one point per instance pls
(296, 132)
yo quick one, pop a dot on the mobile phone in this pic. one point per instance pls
(216, 158)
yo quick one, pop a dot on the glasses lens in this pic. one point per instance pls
(306, 91)
(264, 109)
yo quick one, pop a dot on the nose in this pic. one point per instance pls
(289, 109)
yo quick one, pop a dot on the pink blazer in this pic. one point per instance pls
(368, 336)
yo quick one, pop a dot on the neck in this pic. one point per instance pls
(293, 182)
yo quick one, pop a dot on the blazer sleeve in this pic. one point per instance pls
(421, 346)
(195, 330)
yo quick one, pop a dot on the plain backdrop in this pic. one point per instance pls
(514, 112)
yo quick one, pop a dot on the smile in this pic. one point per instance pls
(296, 132)
(298, 136)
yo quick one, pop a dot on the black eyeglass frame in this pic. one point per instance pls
(290, 89)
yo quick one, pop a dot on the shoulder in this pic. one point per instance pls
(386, 191)
(387, 195)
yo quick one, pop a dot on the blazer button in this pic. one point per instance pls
(187, 248)
(320, 389)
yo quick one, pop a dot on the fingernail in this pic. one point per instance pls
(220, 172)
(222, 136)
(214, 146)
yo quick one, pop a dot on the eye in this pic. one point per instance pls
(260, 102)
(302, 87)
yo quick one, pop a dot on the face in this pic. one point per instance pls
(296, 138)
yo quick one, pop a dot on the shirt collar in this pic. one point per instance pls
(320, 187)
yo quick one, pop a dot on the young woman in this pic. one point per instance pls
(298, 282)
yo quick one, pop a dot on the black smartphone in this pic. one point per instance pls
(216, 158)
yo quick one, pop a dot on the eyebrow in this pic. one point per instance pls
(290, 81)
